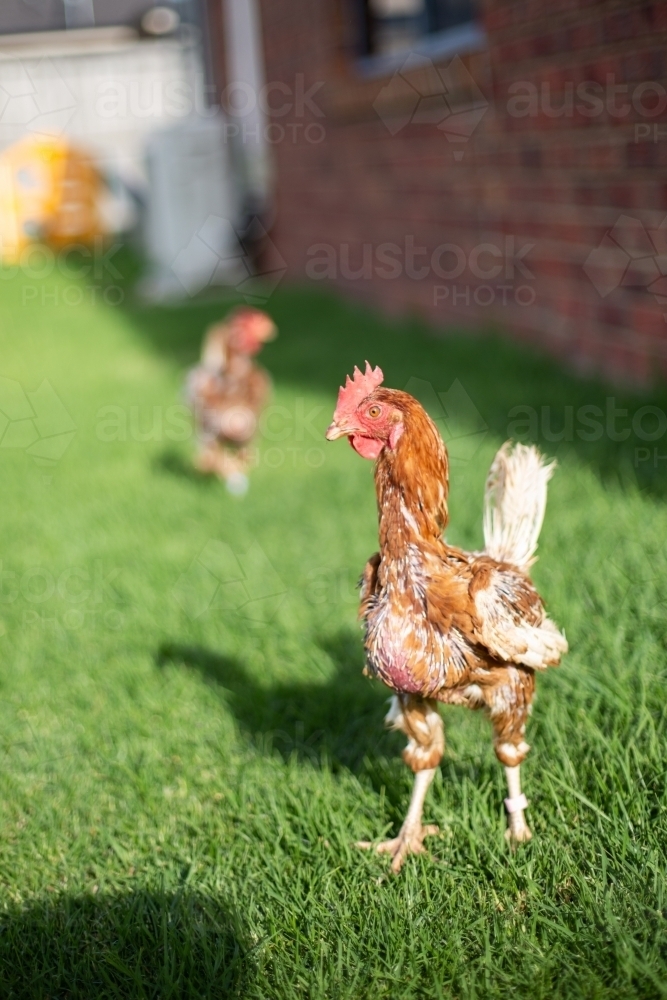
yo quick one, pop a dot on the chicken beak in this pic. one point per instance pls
(334, 432)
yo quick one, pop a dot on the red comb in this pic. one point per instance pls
(356, 389)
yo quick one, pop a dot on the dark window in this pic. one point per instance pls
(396, 25)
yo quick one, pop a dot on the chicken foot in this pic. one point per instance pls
(411, 835)
(230, 465)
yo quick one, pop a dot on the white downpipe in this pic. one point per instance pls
(243, 94)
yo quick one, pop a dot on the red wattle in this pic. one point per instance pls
(366, 447)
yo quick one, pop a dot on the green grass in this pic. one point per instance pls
(183, 775)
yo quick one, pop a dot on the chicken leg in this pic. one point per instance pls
(410, 839)
(419, 720)
(518, 830)
(230, 465)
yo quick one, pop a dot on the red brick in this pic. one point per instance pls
(558, 182)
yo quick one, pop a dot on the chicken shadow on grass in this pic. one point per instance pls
(147, 943)
(339, 720)
(175, 463)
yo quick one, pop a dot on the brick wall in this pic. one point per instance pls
(523, 186)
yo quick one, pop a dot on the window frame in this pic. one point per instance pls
(457, 40)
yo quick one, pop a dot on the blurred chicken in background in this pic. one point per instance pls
(227, 393)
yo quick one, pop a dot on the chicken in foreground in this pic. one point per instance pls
(441, 624)
(227, 393)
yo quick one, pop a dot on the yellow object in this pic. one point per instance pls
(49, 193)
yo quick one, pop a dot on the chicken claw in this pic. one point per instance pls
(409, 841)
(518, 832)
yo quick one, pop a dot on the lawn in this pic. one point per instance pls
(189, 749)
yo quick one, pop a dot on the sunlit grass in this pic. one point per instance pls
(179, 795)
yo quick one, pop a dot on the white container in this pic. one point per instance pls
(192, 211)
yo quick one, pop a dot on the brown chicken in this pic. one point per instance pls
(228, 392)
(441, 624)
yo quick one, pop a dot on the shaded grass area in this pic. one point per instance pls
(185, 769)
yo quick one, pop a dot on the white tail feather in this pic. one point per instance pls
(515, 500)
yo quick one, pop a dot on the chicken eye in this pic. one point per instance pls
(374, 411)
